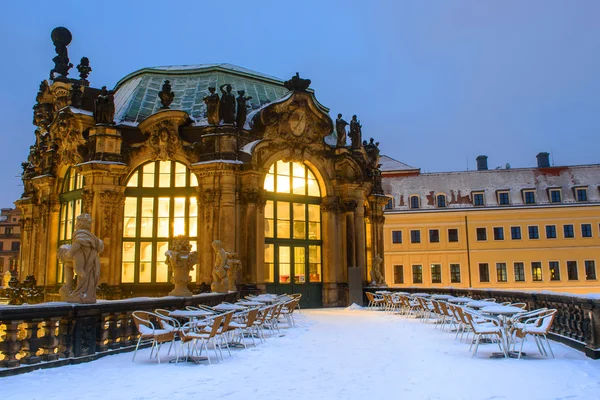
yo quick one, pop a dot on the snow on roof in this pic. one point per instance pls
(388, 164)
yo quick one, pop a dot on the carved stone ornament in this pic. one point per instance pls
(298, 119)
(166, 95)
(84, 68)
(66, 133)
(162, 130)
(297, 83)
(181, 261)
(61, 37)
(110, 204)
(226, 269)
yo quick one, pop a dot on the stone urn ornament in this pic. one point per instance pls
(181, 261)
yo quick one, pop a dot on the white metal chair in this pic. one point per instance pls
(537, 326)
(149, 326)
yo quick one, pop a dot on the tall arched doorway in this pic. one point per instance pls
(293, 242)
(160, 203)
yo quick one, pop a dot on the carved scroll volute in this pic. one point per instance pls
(162, 130)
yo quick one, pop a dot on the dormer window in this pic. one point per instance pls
(555, 195)
(528, 196)
(503, 197)
(414, 201)
(390, 204)
(441, 200)
(478, 199)
(581, 194)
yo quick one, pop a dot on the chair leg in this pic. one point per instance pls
(136, 348)
(550, 347)
(476, 346)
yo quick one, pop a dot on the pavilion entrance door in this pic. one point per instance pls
(298, 270)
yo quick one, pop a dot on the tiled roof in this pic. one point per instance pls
(136, 95)
(388, 164)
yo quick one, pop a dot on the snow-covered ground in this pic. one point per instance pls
(332, 354)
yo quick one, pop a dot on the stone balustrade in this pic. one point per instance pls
(53, 334)
(577, 321)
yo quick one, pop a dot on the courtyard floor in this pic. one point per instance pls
(332, 354)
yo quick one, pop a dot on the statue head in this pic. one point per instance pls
(216, 245)
(228, 87)
(354, 118)
(83, 222)
(241, 92)
(103, 90)
(211, 89)
(339, 115)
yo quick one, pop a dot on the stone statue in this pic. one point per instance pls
(82, 258)
(84, 68)
(297, 83)
(377, 278)
(212, 106)
(166, 95)
(241, 108)
(227, 107)
(61, 37)
(104, 110)
(225, 270)
(76, 95)
(340, 128)
(181, 261)
(6, 278)
(355, 132)
(372, 150)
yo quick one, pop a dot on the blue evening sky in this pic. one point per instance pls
(436, 82)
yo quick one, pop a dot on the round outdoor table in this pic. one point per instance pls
(459, 300)
(441, 296)
(229, 307)
(503, 312)
(250, 303)
(477, 304)
(420, 295)
(398, 293)
(190, 314)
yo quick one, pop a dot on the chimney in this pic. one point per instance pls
(543, 160)
(481, 163)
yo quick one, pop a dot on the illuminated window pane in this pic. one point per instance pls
(69, 213)
(272, 169)
(193, 179)
(269, 263)
(128, 270)
(147, 220)
(283, 168)
(299, 186)
(298, 170)
(133, 181)
(164, 177)
(145, 262)
(78, 207)
(163, 217)
(148, 175)
(284, 264)
(314, 263)
(283, 219)
(314, 213)
(283, 184)
(162, 270)
(194, 245)
(299, 221)
(313, 187)
(193, 220)
(179, 217)
(270, 183)
(130, 212)
(63, 217)
(299, 265)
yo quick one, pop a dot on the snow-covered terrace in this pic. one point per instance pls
(331, 354)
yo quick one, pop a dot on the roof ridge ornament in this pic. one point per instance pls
(84, 70)
(61, 37)
(166, 95)
(297, 83)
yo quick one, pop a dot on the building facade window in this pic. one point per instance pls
(293, 239)
(554, 270)
(536, 271)
(478, 199)
(160, 203)
(586, 230)
(481, 234)
(484, 272)
(581, 194)
(555, 196)
(453, 235)
(396, 236)
(503, 198)
(434, 236)
(498, 233)
(390, 204)
(71, 205)
(8, 230)
(590, 270)
(398, 273)
(572, 274)
(454, 273)
(415, 236)
(441, 200)
(550, 231)
(414, 201)
(568, 231)
(515, 232)
(15, 246)
(519, 272)
(436, 273)
(501, 272)
(1, 246)
(417, 271)
(529, 197)
(534, 232)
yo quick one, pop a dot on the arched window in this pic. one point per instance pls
(71, 205)
(414, 201)
(160, 203)
(292, 227)
(441, 200)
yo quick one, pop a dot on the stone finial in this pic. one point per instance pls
(166, 95)
(181, 261)
(297, 83)
(61, 37)
(84, 68)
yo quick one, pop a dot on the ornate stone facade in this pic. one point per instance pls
(91, 162)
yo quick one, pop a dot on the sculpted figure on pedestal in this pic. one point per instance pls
(355, 132)
(81, 257)
(340, 128)
(181, 262)
(377, 278)
(225, 270)
(227, 107)
(241, 108)
(212, 106)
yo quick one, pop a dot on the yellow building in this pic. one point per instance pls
(525, 228)
(10, 239)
